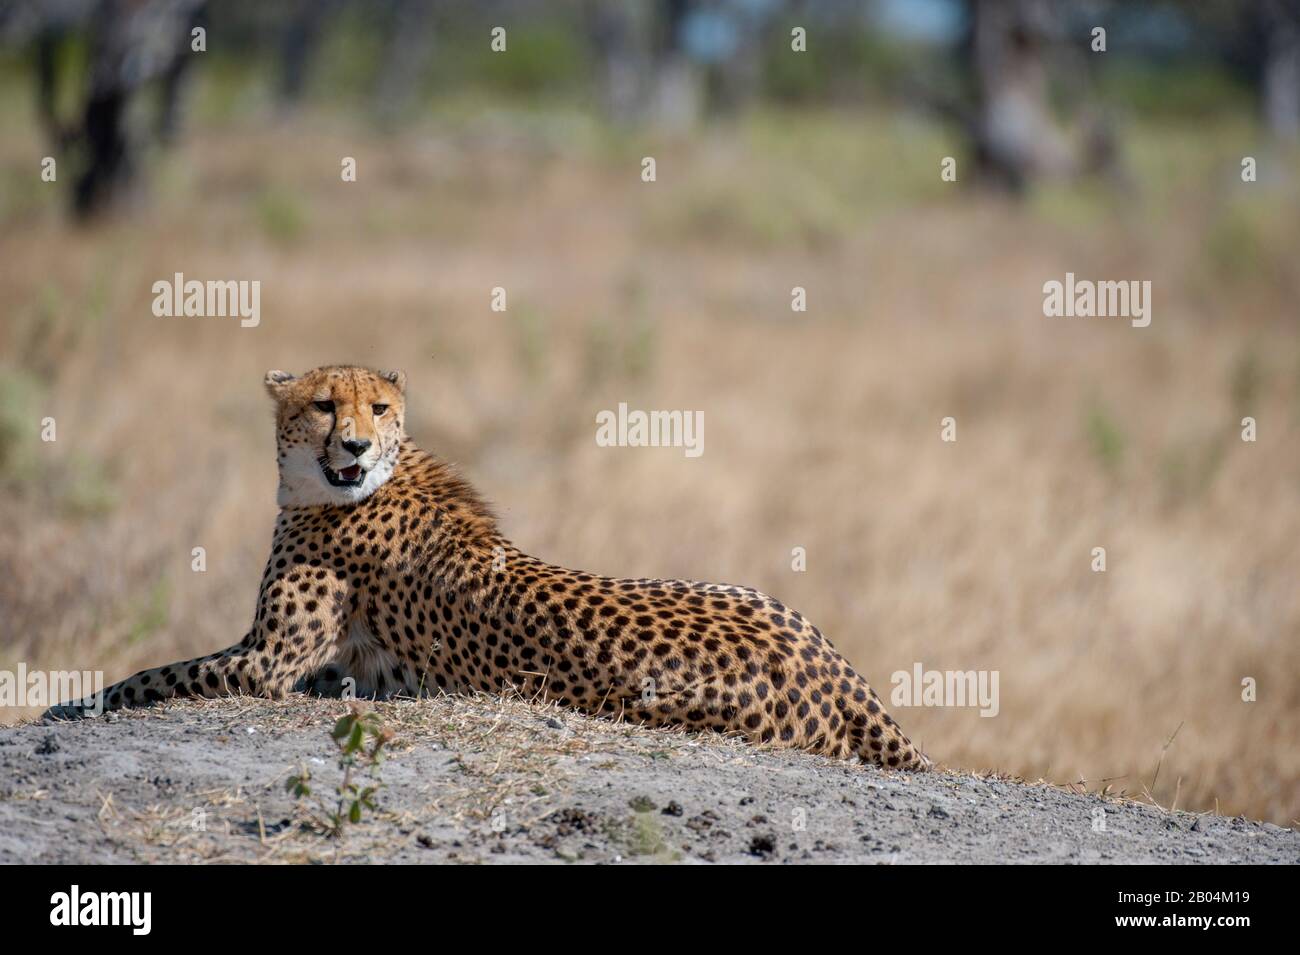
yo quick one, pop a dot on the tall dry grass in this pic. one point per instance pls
(821, 429)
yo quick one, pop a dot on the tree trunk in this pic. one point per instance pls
(1281, 68)
(1016, 138)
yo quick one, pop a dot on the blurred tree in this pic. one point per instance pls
(1280, 68)
(1014, 133)
(1260, 41)
(728, 39)
(617, 31)
(676, 93)
(300, 36)
(645, 69)
(1015, 137)
(408, 45)
(679, 59)
(131, 44)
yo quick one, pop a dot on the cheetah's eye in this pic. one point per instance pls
(378, 409)
(326, 406)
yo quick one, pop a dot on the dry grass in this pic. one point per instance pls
(822, 430)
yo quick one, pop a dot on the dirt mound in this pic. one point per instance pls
(490, 780)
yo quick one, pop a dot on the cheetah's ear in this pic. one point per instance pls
(398, 378)
(277, 382)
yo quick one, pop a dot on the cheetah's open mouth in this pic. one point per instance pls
(350, 476)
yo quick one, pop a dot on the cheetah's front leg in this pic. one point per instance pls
(300, 614)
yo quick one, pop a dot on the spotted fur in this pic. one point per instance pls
(407, 586)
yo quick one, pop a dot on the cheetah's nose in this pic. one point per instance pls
(356, 446)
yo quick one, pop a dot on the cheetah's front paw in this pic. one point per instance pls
(76, 710)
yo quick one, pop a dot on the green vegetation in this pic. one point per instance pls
(531, 340)
(151, 615)
(281, 215)
(359, 739)
(1105, 437)
(1188, 468)
(1245, 383)
(642, 835)
(22, 400)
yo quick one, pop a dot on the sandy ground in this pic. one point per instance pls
(492, 780)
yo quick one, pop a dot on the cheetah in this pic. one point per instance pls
(387, 568)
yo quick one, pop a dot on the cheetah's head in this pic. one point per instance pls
(338, 433)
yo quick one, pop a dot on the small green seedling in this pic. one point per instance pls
(360, 739)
